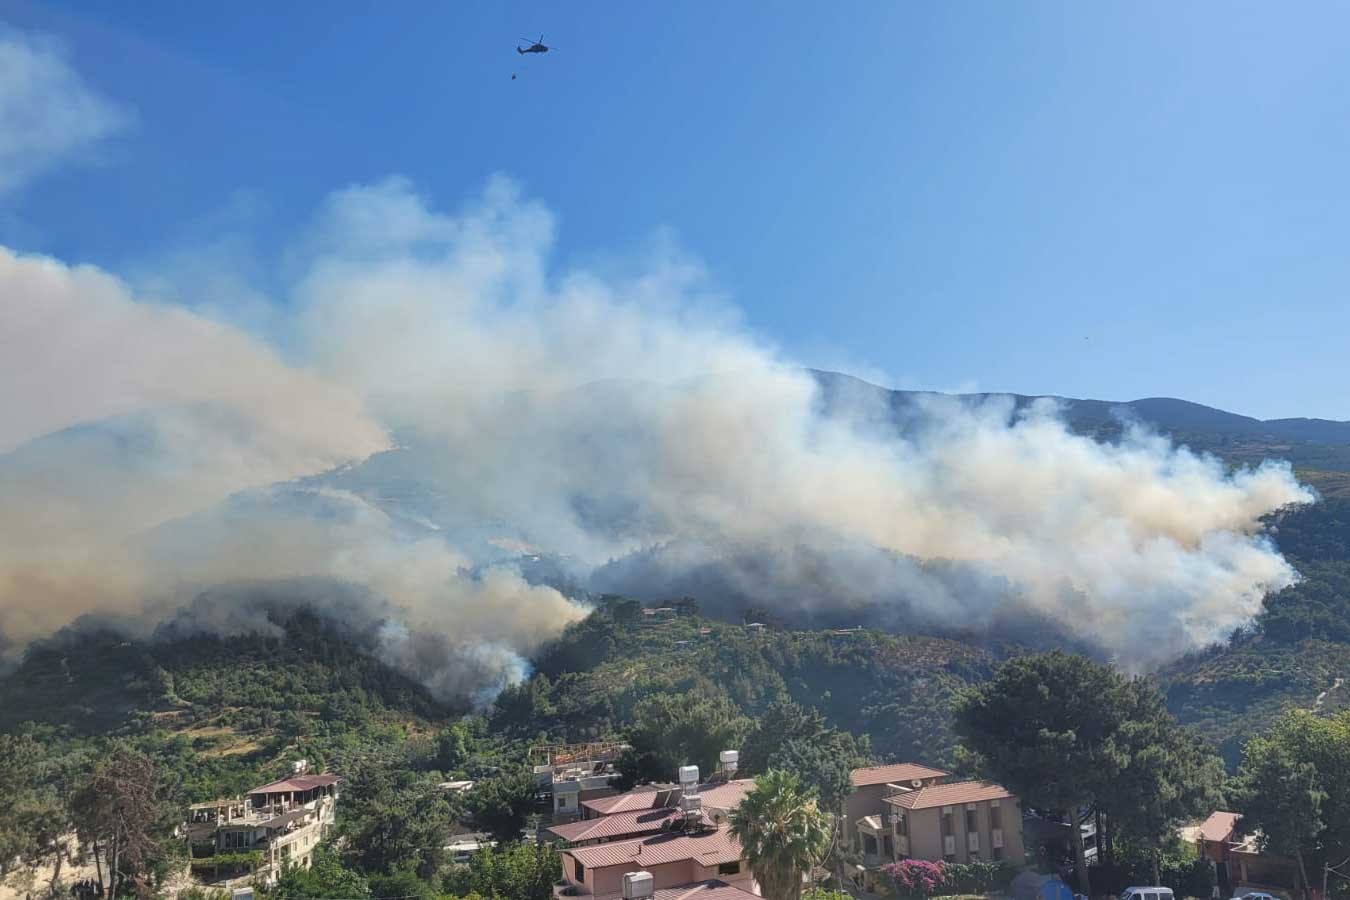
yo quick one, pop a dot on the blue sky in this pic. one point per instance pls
(1105, 200)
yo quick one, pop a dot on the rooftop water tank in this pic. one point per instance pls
(638, 885)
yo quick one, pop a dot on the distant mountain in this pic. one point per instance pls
(1316, 444)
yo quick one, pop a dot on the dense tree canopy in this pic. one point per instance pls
(1294, 785)
(500, 806)
(679, 730)
(1060, 730)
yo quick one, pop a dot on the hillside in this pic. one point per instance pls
(220, 712)
(898, 689)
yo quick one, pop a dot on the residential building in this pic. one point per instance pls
(1240, 862)
(865, 807)
(571, 774)
(283, 821)
(674, 860)
(958, 822)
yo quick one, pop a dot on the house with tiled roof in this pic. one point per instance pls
(865, 808)
(960, 821)
(621, 826)
(675, 860)
(279, 824)
(718, 798)
(1240, 858)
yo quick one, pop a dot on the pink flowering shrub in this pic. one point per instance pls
(915, 877)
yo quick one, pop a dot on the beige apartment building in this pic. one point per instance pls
(958, 822)
(865, 807)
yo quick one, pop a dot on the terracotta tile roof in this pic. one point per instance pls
(726, 795)
(708, 848)
(298, 783)
(716, 795)
(901, 773)
(950, 795)
(645, 797)
(1219, 826)
(712, 889)
(627, 824)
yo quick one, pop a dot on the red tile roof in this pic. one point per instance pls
(1219, 826)
(900, 773)
(950, 795)
(645, 797)
(298, 783)
(712, 889)
(716, 795)
(707, 848)
(726, 795)
(627, 824)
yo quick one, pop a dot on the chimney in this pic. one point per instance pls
(638, 885)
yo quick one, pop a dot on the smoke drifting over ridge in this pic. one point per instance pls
(617, 413)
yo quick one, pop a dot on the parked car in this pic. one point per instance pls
(1255, 895)
(1146, 893)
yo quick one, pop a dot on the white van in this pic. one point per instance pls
(1146, 893)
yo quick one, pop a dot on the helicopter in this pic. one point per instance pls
(534, 46)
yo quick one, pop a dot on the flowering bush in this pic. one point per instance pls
(915, 877)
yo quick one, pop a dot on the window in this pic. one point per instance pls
(997, 853)
(578, 871)
(901, 824)
(947, 821)
(731, 868)
(995, 815)
(972, 821)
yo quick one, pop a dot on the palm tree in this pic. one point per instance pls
(784, 832)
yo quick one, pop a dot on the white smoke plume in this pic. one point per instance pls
(618, 412)
(48, 114)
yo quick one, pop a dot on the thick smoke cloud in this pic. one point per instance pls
(618, 415)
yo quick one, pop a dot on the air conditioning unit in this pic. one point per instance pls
(638, 885)
(997, 836)
(692, 803)
(973, 842)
